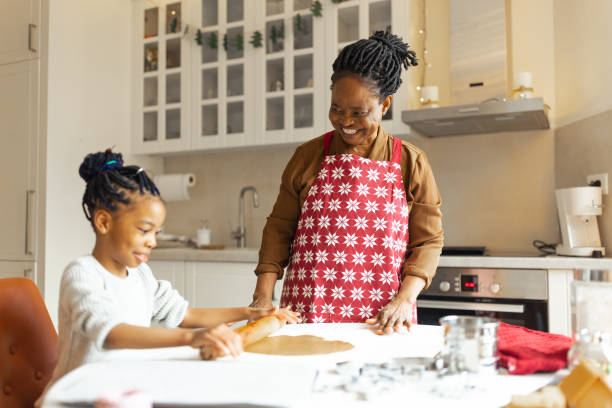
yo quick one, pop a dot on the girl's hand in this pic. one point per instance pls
(396, 315)
(220, 339)
(284, 314)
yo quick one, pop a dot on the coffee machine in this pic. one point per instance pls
(578, 208)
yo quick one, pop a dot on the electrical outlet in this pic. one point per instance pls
(603, 179)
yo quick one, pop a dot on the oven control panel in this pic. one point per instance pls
(494, 283)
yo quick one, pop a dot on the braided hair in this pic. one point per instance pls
(108, 180)
(377, 62)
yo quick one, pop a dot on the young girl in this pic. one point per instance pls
(108, 299)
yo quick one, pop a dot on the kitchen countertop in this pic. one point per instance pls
(172, 375)
(250, 255)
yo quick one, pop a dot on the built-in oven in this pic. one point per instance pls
(514, 296)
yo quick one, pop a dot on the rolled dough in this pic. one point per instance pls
(297, 346)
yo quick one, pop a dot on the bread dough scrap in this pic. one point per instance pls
(298, 346)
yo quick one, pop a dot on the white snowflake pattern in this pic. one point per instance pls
(400, 244)
(367, 276)
(313, 273)
(404, 211)
(317, 204)
(346, 310)
(344, 188)
(361, 223)
(378, 259)
(340, 257)
(304, 207)
(380, 192)
(327, 189)
(390, 177)
(295, 258)
(337, 173)
(301, 221)
(334, 204)
(285, 292)
(301, 274)
(308, 222)
(376, 294)
(307, 291)
(327, 308)
(389, 208)
(324, 221)
(342, 221)
(357, 293)
(332, 238)
(330, 159)
(350, 240)
(388, 242)
(348, 275)
(373, 175)
(302, 240)
(345, 158)
(313, 190)
(396, 226)
(329, 274)
(355, 172)
(380, 224)
(363, 189)
(295, 291)
(381, 163)
(386, 277)
(396, 262)
(369, 241)
(308, 257)
(398, 193)
(320, 291)
(358, 258)
(299, 307)
(321, 256)
(315, 238)
(392, 294)
(365, 311)
(352, 205)
(318, 319)
(323, 173)
(337, 292)
(371, 206)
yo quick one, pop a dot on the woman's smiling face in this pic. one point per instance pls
(355, 111)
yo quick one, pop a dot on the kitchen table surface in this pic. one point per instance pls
(176, 377)
(499, 260)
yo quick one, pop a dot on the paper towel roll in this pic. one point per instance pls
(173, 187)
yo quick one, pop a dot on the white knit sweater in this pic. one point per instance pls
(93, 301)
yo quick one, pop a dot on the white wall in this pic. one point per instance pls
(583, 59)
(88, 110)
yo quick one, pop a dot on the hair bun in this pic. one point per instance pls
(397, 46)
(96, 163)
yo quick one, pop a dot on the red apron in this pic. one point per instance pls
(351, 239)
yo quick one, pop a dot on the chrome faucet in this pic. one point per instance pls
(240, 234)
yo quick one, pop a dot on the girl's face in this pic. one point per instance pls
(356, 112)
(132, 231)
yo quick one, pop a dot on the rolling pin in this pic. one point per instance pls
(250, 333)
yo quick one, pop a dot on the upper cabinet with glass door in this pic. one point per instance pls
(161, 81)
(222, 74)
(349, 21)
(290, 86)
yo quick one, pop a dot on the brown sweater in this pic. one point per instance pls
(425, 219)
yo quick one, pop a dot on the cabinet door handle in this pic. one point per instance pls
(28, 250)
(31, 28)
(27, 273)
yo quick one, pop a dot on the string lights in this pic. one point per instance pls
(423, 32)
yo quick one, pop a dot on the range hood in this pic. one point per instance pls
(485, 117)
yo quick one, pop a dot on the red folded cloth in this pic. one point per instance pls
(525, 351)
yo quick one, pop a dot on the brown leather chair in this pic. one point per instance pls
(28, 343)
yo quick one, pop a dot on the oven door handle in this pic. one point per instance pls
(485, 307)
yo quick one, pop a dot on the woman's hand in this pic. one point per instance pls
(284, 313)
(221, 340)
(396, 315)
(261, 303)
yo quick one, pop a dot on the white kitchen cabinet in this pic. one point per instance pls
(229, 93)
(161, 64)
(19, 105)
(18, 270)
(20, 22)
(171, 271)
(559, 301)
